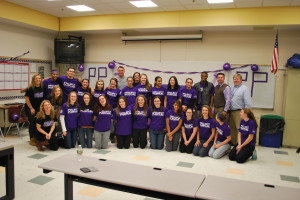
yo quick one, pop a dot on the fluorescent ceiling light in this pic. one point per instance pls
(219, 1)
(143, 4)
(81, 8)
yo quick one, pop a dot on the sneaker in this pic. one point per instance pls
(254, 155)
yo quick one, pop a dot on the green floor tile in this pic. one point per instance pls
(281, 152)
(40, 180)
(185, 164)
(290, 178)
(37, 156)
(101, 151)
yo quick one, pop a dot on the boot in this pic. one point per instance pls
(32, 141)
(39, 145)
(45, 143)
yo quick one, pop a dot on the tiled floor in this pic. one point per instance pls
(273, 166)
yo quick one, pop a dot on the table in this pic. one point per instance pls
(215, 187)
(6, 107)
(132, 178)
(7, 161)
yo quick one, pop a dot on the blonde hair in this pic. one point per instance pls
(209, 112)
(41, 113)
(238, 76)
(76, 102)
(32, 83)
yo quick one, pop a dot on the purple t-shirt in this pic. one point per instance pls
(189, 126)
(112, 96)
(188, 96)
(223, 131)
(160, 92)
(172, 96)
(71, 116)
(97, 93)
(124, 121)
(174, 119)
(67, 85)
(158, 118)
(48, 85)
(246, 128)
(141, 89)
(80, 92)
(140, 119)
(85, 117)
(205, 126)
(103, 121)
(130, 94)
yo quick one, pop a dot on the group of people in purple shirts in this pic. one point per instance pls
(202, 119)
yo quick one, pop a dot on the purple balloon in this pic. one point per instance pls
(254, 67)
(226, 66)
(111, 65)
(15, 117)
(81, 68)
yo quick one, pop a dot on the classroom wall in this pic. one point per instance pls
(236, 47)
(16, 40)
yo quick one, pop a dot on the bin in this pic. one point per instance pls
(271, 131)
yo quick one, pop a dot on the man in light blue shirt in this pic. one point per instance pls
(240, 98)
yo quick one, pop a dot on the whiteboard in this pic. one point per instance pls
(260, 83)
(13, 76)
(262, 86)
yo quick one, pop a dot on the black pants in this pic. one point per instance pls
(245, 153)
(187, 149)
(139, 138)
(32, 124)
(53, 142)
(123, 141)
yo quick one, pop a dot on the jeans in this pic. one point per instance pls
(202, 151)
(86, 137)
(157, 139)
(173, 144)
(101, 139)
(70, 139)
(219, 152)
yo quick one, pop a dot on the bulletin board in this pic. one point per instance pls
(13, 75)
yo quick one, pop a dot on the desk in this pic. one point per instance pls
(133, 178)
(7, 161)
(215, 187)
(4, 108)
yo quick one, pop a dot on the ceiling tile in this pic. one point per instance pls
(223, 5)
(248, 4)
(271, 3)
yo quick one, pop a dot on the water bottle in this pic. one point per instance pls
(79, 153)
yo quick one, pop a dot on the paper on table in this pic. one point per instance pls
(9, 85)
(2, 85)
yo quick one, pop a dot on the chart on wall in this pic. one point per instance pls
(13, 75)
(261, 84)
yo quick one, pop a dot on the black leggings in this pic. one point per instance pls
(139, 138)
(245, 153)
(123, 141)
(187, 149)
(32, 124)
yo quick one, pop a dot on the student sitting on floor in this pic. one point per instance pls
(45, 125)
(122, 115)
(188, 132)
(222, 138)
(206, 132)
(157, 114)
(246, 137)
(173, 124)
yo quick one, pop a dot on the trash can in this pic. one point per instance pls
(271, 131)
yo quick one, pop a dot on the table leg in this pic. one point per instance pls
(68, 187)
(7, 160)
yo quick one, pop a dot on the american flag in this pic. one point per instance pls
(274, 66)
